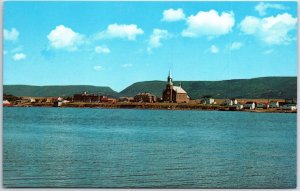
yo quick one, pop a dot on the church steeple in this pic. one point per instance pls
(170, 81)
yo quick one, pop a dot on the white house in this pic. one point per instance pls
(249, 105)
(274, 104)
(230, 102)
(291, 107)
(236, 107)
(208, 101)
(262, 105)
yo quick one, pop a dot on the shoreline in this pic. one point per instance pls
(153, 106)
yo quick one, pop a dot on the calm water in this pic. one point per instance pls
(69, 147)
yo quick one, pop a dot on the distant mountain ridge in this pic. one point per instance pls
(264, 87)
(52, 91)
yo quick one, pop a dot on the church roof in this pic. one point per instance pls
(179, 89)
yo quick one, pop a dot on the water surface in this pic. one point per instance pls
(84, 147)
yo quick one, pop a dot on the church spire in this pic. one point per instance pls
(170, 82)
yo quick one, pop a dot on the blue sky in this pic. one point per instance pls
(116, 44)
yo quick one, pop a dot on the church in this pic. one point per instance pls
(175, 94)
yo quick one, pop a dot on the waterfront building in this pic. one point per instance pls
(145, 97)
(85, 97)
(250, 105)
(262, 106)
(274, 104)
(230, 102)
(291, 107)
(125, 99)
(174, 93)
(236, 107)
(207, 100)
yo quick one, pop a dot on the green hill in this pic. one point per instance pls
(49, 91)
(265, 87)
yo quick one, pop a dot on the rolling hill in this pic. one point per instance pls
(49, 91)
(264, 87)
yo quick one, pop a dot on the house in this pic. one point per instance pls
(173, 93)
(230, 102)
(207, 100)
(274, 104)
(262, 105)
(108, 100)
(85, 97)
(145, 97)
(291, 107)
(250, 105)
(6, 103)
(126, 99)
(236, 107)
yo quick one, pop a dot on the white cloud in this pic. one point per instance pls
(214, 49)
(126, 65)
(17, 49)
(102, 50)
(172, 15)
(65, 38)
(271, 30)
(261, 8)
(12, 35)
(235, 45)
(209, 23)
(4, 52)
(268, 51)
(121, 31)
(156, 37)
(98, 68)
(19, 56)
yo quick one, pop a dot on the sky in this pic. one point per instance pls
(116, 44)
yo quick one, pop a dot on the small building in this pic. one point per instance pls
(125, 99)
(250, 105)
(274, 104)
(145, 97)
(85, 97)
(230, 102)
(208, 100)
(291, 101)
(291, 107)
(6, 103)
(262, 105)
(236, 107)
(108, 100)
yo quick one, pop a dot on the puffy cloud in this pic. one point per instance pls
(235, 45)
(261, 8)
(126, 65)
(65, 38)
(156, 37)
(209, 23)
(214, 49)
(102, 50)
(17, 49)
(98, 68)
(19, 56)
(172, 15)
(12, 35)
(270, 51)
(271, 30)
(121, 31)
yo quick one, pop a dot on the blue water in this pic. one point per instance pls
(84, 147)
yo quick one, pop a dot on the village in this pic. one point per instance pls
(173, 97)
